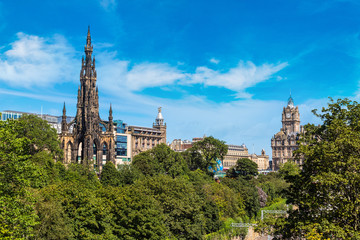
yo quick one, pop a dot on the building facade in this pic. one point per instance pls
(144, 138)
(284, 143)
(92, 139)
(179, 145)
(54, 121)
(236, 152)
(122, 143)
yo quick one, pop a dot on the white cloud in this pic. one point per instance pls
(36, 61)
(116, 74)
(214, 60)
(55, 98)
(39, 61)
(244, 75)
(152, 75)
(108, 4)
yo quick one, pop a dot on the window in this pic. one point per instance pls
(121, 145)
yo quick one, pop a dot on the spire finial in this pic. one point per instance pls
(88, 39)
(64, 110)
(110, 124)
(63, 120)
(290, 101)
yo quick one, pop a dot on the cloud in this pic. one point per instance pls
(33, 61)
(55, 98)
(117, 74)
(108, 4)
(37, 61)
(244, 75)
(214, 60)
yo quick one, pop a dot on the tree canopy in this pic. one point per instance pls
(244, 167)
(28, 147)
(160, 160)
(157, 196)
(327, 190)
(203, 154)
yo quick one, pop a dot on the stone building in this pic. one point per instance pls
(179, 145)
(54, 121)
(145, 138)
(284, 143)
(91, 139)
(236, 152)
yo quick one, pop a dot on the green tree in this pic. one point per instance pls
(327, 190)
(41, 136)
(74, 209)
(273, 184)
(248, 193)
(134, 213)
(110, 175)
(182, 206)
(27, 149)
(160, 160)
(289, 170)
(203, 154)
(128, 174)
(244, 167)
(229, 202)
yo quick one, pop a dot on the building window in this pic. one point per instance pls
(121, 145)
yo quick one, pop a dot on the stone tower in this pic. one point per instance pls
(284, 142)
(91, 139)
(160, 125)
(290, 118)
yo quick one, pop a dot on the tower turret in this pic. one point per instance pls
(63, 120)
(159, 124)
(159, 121)
(111, 125)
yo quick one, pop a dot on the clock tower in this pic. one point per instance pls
(290, 118)
(284, 143)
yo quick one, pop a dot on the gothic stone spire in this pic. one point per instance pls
(86, 140)
(63, 121)
(110, 128)
(88, 106)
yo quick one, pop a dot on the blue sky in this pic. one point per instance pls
(220, 68)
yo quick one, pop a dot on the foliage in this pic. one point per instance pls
(156, 197)
(273, 184)
(81, 174)
(247, 191)
(229, 232)
(327, 190)
(110, 175)
(40, 135)
(244, 167)
(135, 214)
(160, 160)
(204, 153)
(55, 224)
(289, 170)
(180, 203)
(128, 174)
(230, 203)
(27, 148)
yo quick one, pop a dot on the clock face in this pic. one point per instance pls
(288, 115)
